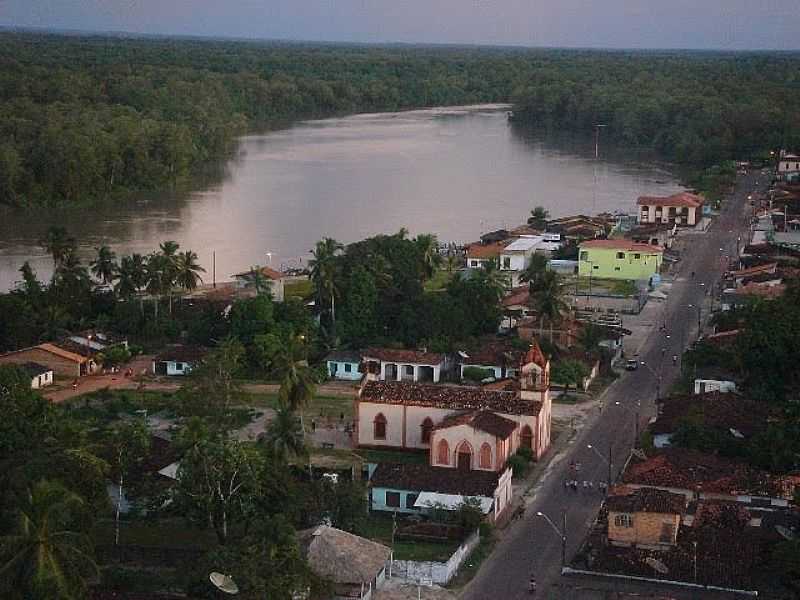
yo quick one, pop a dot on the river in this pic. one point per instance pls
(455, 172)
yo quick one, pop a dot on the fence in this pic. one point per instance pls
(436, 572)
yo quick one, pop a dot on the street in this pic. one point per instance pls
(532, 546)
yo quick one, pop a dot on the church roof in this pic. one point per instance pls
(482, 420)
(536, 356)
(450, 397)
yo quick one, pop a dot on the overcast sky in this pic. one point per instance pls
(725, 24)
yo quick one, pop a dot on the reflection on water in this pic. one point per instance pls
(455, 171)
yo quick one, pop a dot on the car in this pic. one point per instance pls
(631, 364)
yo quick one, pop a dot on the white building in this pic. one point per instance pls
(40, 375)
(389, 364)
(271, 279)
(682, 209)
(788, 164)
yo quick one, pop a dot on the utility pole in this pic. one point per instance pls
(594, 165)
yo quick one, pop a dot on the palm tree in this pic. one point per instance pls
(535, 269)
(188, 271)
(538, 218)
(428, 247)
(453, 262)
(104, 267)
(169, 267)
(58, 244)
(256, 278)
(157, 274)
(48, 553)
(285, 434)
(125, 286)
(298, 380)
(492, 277)
(547, 299)
(324, 273)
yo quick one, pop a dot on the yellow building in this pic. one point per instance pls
(619, 259)
(646, 517)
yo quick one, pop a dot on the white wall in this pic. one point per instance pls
(367, 411)
(415, 415)
(702, 386)
(340, 373)
(454, 436)
(438, 572)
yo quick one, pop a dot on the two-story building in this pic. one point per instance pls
(683, 209)
(788, 165)
(619, 259)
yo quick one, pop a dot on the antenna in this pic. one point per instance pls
(224, 583)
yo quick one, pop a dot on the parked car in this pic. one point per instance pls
(631, 364)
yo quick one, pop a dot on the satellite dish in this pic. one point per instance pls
(785, 533)
(657, 565)
(224, 583)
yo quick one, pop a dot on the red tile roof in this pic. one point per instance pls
(715, 409)
(649, 500)
(681, 199)
(482, 420)
(517, 296)
(496, 352)
(404, 356)
(448, 396)
(768, 268)
(622, 244)
(424, 478)
(762, 291)
(267, 272)
(479, 250)
(535, 356)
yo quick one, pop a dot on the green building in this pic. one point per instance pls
(619, 259)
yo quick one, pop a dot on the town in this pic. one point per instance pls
(575, 405)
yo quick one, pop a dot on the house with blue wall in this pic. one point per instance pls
(343, 364)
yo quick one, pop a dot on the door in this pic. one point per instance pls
(464, 461)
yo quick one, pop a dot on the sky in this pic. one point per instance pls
(701, 24)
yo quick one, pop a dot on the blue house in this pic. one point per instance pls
(343, 364)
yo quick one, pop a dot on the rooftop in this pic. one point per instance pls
(649, 500)
(35, 369)
(267, 272)
(344, 356)
(419, 357)
(524, 244)
(622, 244)
(718, 410)
(63, 352)
(424, 478)
(495, 352)
(341, 557)
(492, 250)
(447, 396)
(482, 420)
(681, 199)
(181, 353)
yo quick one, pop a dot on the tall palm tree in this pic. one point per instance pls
(157, 274)
(492, 277)
(48, 553)
(188, 271)
(58, 244)
(428, 247)
(547, 298)
(285, 434)
(323, 269)
(538, 218)
(298, 380)
(125, 285)
(169, 268)
(104, 267)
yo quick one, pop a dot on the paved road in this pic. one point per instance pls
(532, 546)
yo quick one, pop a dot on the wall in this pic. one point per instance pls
(379, 500)
(340, 373)
(607, 263)
(42, 380)
(61, 366)
(415, 415)
(367, 411)
(687, 215)
(703, 386)
(498, 371)
(455, 436)
(178, 368)
(439, 573)
(646, 530)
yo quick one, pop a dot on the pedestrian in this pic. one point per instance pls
(585, 485)
(313, 425)
(574, 485)
(577, 467)
(591, 486)
(674, 359)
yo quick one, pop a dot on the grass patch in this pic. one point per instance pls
(298, 289)
(439, 281)
(471, 566)
(390, 456)
(379, 528)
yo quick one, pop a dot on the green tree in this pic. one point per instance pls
(535, 269)
(58, 243)
(298, 379)
(589, 338)
(284, 435)
(358, 316)
(213, 387)
(539, 217)
(569, 372)
(47, 553)
(169, 264)
(547, 299)
(187, 270)
(104, 267)
(428, 247)
(324, 274)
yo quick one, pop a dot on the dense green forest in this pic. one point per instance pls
(86, 118)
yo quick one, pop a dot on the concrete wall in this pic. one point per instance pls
(42, 380)
(604, 263)
(60, 366)
(703, 386)
(367, 411)
(336, 370)
(647, 529)
(439, 573)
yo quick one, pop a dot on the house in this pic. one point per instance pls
(579, 227)
(644, 517)
(683, 209)
(727, 413)
(619, 259)
(516, 256)
(389, 364)
(498, 355)
(413, 488)
(788, 165)
(178, 359)
(62, 361)
(654, 234)
(403, 415)
(354, 566)
(478, 255)
(41, 376)
(344, 365)
(272, 280)
(713, 379)
(96, 341)
(741, 275)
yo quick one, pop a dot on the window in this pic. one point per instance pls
(409, 370)
(506, 262)
(667, 531)
(584, 256)
(595, 267)
(474, 263)
(348, 368)
(616, 268)
(410, 499)
(620, 255)
(485, 459)
(393, 499)
(526, 437)
(637, 256)
(379, 426)
(427, 427)
(623, 520)
(443, 453)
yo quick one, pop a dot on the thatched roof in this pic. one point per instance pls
(341, 557)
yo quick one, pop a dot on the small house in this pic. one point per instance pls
(619, 259)
(479, 254)
(645, 517)
(72, 362)
(41, 376)
(271, 279)
(344, 365)
(498, 356)
(390, 364)
(354, 566)
(178, 359)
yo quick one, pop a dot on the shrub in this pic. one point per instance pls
(525, 453)
(518, 465)
(477, 374)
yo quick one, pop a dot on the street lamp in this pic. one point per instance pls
(603, 458)
(561, 533)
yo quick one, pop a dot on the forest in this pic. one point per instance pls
(88, 118)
